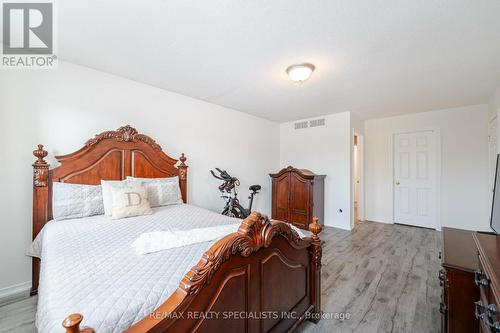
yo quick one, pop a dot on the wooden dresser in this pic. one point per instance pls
(487, 281)
(298, 195)
(457, 279)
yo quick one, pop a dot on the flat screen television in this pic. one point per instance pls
(495, 207)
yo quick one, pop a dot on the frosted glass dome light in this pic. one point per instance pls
(300, 72)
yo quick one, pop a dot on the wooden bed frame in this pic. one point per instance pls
(263, 278)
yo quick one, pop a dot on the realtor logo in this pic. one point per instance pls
(28, 35)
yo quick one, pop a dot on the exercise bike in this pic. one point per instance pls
(229, 192)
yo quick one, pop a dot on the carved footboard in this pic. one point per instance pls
(264, 278)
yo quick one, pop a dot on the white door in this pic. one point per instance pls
(415, 172)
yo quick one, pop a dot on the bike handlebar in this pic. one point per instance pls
(213, 174)
(229, 182)
(224, 175)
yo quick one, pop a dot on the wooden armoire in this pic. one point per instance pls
(298, 196)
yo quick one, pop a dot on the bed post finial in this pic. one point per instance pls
(315, 228)
(40, 167)
(315, 253)
(183, 159)
(72, 324)
(40, 153)
(183, 176)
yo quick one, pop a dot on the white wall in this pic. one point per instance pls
(16, 146)
(324, 150)
(464, 172)
(63, 108)
(495, 102)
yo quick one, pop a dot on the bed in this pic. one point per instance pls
(263, 277)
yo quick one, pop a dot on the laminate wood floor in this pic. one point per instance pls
(382, 277)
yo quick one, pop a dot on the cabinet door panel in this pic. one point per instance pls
(281, 188)
(299, 201)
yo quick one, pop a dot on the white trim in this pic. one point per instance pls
(351, 177)
(361, 203)
(338, 227)
(437, 131)
(377, 220)
(15, 289)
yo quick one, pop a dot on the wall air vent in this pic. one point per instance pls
(317, 122)
(301, 125)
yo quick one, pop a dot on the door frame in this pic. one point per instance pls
(437, 133)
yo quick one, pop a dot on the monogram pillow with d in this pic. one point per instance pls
(130, 201)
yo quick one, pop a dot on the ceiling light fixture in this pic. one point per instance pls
(300, 72)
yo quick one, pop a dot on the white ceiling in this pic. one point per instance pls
(374, 57)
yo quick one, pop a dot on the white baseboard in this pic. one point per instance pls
(15, 289)
(379, 220)
(338, 227)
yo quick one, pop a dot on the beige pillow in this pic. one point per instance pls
(107, 198)
(129, 201)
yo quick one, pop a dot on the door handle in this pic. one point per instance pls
(398, 183)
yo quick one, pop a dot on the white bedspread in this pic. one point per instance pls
(155, 241)
(88, 266)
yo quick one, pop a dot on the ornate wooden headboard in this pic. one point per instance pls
(111, 155)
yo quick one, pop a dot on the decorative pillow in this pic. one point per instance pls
(130, 201)
(71, 201)
(161, 191)
(106, 193)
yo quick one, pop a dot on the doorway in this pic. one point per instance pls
(357, 170)
(416, 178)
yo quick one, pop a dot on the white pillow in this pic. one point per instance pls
(130, 201)
(161, 191)
(106, 193)
(71, 201)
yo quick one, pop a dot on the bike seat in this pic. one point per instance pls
(254, 188)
